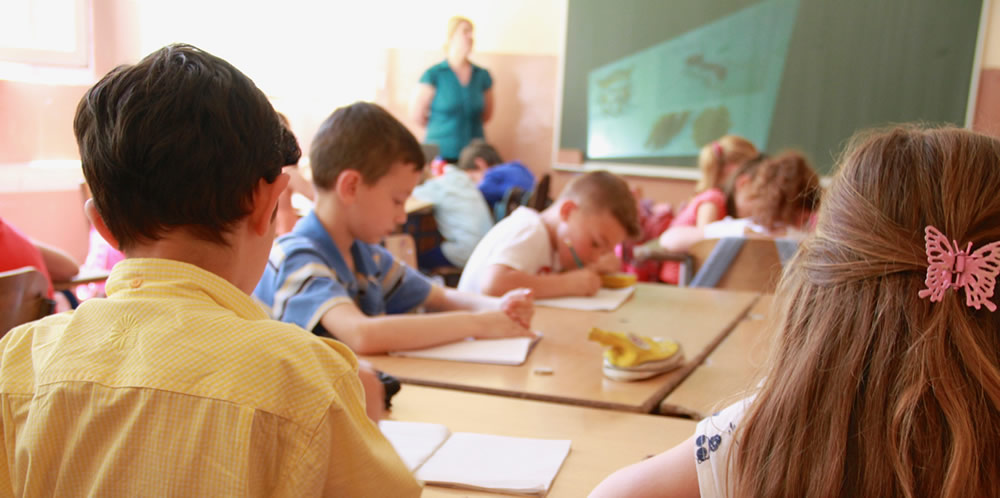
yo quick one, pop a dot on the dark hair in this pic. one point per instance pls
(180, 139)
(598, 190)
(478, 149)
(363, 137)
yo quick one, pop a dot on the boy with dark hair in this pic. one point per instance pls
(494, 176)
(177, 383)
(329, 275)
(562, 250)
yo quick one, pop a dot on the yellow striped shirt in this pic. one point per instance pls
(177, 384)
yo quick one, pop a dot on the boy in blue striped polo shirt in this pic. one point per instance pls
(330, 276)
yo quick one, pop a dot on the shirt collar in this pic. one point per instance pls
(310, 227)
(169, 278)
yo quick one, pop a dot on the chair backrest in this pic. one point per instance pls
(752, 264)
(403, 248)
(23, 297)
(540, 197)
(512, 198)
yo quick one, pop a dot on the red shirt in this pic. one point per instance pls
(17, 251)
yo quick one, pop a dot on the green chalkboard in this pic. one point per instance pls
(651, 81)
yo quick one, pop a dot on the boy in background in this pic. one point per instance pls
(330, 276)
(178, 384)
(561, 251)
(460, 212)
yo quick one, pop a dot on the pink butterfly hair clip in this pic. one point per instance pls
(949, 267)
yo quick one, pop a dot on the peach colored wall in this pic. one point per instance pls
(524, 91)
(37, 121)
(54, 217)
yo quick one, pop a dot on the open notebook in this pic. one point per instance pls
(477, 461)
(604, 300)
(509, 351)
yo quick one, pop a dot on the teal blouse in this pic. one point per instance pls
(456, 115)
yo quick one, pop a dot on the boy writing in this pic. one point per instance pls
(329, 275)
(560, 251)
(178, 384)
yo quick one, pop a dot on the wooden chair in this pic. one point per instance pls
(756, 265)
(403, 248)
(23, 297)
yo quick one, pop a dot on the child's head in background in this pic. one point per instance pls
(477, 157)
(596, 212)
(720, 158)
(776, 192)
(895, 395)
(366, 162)
(180, 140)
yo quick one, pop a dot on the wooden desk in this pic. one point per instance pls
(729, 371)
(603, 440)
(697, 318)
(82, 278)
(418, 206)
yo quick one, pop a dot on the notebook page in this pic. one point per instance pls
(508, 351)
(414, 441)
(487, 462)
(604, 300)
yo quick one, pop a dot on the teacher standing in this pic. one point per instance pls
(455, 97)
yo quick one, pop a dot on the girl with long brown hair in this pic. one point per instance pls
(885, 376)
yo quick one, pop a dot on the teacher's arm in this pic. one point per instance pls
(487, 104)
(420, 103)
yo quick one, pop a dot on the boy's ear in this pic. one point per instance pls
(95, 219)
(566, 208)
(347, 184)
(265, 203)
(481, 164)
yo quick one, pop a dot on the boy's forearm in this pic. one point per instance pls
(544, 286)
(415, 331)
(445, 299)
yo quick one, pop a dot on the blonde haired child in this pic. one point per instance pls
(885, 376)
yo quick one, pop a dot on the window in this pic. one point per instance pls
(45, 32)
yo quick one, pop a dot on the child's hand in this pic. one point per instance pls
(607, 263)
(581, 282)
(519, 305)
(498, 325)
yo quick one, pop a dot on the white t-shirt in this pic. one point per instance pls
(519, 241)
(460, 210)
(712, 446)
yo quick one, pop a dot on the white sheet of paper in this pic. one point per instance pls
(487, 462)
(414, 441)
(604, 300)
(509, 351)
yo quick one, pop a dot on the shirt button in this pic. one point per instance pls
(136, 283)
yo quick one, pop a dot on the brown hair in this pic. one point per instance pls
(730, 149)
(363, 137)
(180, 139)
(786, 185)
(478, 149)
(871, 390)
(603, 190)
